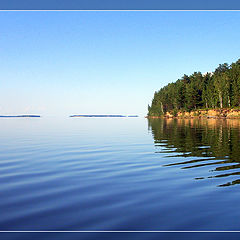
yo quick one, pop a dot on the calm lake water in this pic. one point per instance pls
(119, 174)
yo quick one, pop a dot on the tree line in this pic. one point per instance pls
(218, 89)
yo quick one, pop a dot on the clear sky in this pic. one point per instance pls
(88, 62)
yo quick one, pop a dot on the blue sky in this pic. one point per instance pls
(106, 62)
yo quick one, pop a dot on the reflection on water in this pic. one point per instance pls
(103, 174)
(213, 142)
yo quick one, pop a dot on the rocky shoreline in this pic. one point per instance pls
(211, 113)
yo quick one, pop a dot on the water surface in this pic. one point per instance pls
(119, 174)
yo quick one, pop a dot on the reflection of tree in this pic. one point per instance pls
(230, 183)
(215, 141)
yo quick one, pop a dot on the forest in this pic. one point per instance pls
(214, 90)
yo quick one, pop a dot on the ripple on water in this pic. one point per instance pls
(110, 179)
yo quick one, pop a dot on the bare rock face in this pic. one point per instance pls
(211, 113)
(169, 115)
(233, 113)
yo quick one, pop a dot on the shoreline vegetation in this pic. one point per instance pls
(209, 95)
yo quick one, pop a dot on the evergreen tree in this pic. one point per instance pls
(220, 89)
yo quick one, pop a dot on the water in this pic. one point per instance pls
(120, 174)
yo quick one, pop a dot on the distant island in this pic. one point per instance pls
(212, 94)
(99, 115)
(19, 116)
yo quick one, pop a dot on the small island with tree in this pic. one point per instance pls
(101, 115)
(19, 116)
(212, 95)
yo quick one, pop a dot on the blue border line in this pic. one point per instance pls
(119, 5)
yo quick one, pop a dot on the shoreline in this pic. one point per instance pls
(19, 116)
(206, 114)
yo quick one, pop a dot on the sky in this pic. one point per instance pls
(59, 63)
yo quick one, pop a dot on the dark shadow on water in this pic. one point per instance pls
(210, 143)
